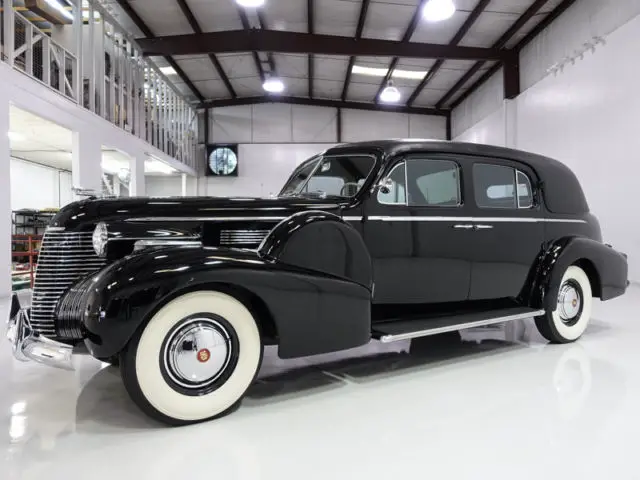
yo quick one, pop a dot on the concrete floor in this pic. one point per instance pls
(498, 403)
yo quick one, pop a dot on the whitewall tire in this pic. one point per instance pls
(195, 358)
(572, 311)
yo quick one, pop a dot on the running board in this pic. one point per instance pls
(394, 331)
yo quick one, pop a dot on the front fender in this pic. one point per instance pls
(607, 267)
(313, 312)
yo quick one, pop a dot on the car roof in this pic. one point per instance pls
(562, 191)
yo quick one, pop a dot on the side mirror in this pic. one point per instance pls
(385, 185)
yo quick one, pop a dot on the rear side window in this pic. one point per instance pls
(497, 186)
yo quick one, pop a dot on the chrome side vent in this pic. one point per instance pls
(242, 238)
(64, 258)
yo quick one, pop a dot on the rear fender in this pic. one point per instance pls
(606, 268)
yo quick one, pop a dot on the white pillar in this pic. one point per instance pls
(5, 198)
(184, 184)
(86, 157)
(136, 184)
(511, 123)
(116, 185)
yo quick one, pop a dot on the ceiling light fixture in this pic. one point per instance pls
(153, 165)
(273, 85)
(390, 94)
(168, 70)
(250, 3)
(15, 136)
(438, 10)
(382, 72)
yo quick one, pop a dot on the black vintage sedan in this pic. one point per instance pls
(385, 240)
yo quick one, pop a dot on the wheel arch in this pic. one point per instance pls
(592, 273)
(252, 301)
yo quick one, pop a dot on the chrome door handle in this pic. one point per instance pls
(483, 227)
(466, 226)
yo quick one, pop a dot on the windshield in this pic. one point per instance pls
(333, 175)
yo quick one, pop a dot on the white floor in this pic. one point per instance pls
(499, 404)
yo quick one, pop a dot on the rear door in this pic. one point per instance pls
(420, 233)
(508, 228)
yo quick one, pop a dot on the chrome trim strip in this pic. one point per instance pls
(54, 229)
(352, 219)
(389, 218)
(142, 244)
(204, 219)
(462, 326)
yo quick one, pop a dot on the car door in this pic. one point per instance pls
(417, 233)
(508, 226)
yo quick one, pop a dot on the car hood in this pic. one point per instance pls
(85, 214)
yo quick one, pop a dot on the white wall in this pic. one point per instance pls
(280, 123)
(274, 138)
(263, 169)
(585, 115)
(36, 187)
(157, 186)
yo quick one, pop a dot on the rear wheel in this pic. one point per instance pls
(194, 360)
(572, 311)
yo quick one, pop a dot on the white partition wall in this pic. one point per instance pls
(583, 110)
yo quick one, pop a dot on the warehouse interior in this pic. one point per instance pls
(131, 98)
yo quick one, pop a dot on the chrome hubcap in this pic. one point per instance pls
(569, 302)
(197, 353)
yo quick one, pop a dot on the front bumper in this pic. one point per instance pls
(29, 345)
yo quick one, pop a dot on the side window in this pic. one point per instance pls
(397, 187)
(497, 186)
(437, 183)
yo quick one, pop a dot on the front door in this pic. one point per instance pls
(509, 229)
(417, 233)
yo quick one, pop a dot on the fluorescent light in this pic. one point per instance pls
(382, 72)
(156, 166)
(168, 70)
(273, 85)
(438, 10)
(15, 136)
(60, 8)
(85, 14)
(250, 3)
(390, 94)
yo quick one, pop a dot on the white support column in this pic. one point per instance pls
(5, 198)
(511, 123)
(136, 183)
(184, 184)
(9, 34)
(93, 71)
(78, 74)
(86, 168)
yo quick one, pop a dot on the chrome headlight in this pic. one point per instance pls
(100, 239)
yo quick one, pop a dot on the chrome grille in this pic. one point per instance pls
(242, 238)
(63, 259)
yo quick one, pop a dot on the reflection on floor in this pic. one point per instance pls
(490, 403)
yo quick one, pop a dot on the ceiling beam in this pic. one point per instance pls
(246, 27)
(364, 7)
(214, 60)
(500, 44)
(311, 30)
(317, 102)
(548, 20)
(124, 4)
(263, 25)
(457, 38)
(232, 41)
(413, 24)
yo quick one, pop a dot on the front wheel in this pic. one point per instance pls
(572, 312)
(194, 360)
